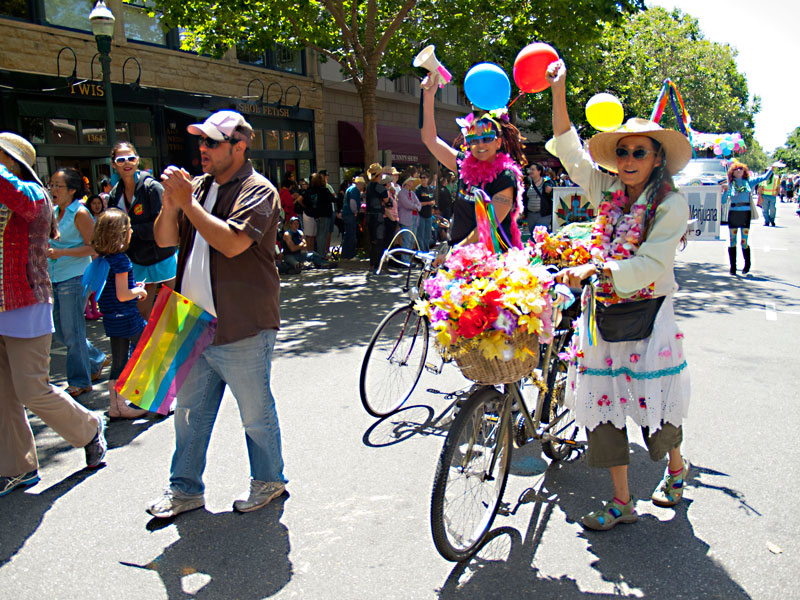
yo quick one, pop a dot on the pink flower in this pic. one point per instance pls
(678, 336)
(609, 362)
(623, 400)
(665, 353)
(600, 402)
(635, 358)
(642, 403)
(627, 378)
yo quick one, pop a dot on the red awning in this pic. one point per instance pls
(405, 144)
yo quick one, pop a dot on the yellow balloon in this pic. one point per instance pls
(604, 112)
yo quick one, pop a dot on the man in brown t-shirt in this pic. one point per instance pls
(226, 223)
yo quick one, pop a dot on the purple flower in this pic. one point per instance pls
(506, 321)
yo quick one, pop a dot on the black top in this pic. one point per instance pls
(464, 220)
(445, 203)
(318, 202)
(376, 193)
(424, 193)
(142, 212)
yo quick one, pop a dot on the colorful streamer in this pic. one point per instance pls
(669, 93)
(176, 334)
(487, 224)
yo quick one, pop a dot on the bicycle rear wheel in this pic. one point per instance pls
(470, 476)
(560, 418)
(393, 362)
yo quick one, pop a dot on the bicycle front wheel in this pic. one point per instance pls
(471, 476)
(393, 362)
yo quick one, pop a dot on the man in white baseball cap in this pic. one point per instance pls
(223, 126)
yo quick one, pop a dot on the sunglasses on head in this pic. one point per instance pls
(121, 160)
(638, 154)
(211, 144)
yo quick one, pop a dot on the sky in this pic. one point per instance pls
(767, 37)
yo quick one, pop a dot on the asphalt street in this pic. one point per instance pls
(355, 521)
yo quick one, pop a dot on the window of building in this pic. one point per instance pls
(18, 9)
(142, 136)
(63, 131)
(273, 140)
(279, 58)
(69, 13)
(93, 132)
(304, 169)
(258, 140)
(143, 24)
(303, 141)
(33, 129)
(288, 140)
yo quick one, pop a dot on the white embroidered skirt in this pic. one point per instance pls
(647, 380)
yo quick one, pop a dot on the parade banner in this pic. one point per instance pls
(176, 334)
(571, 205)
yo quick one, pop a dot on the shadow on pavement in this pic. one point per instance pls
(23, 513)
(713, 290)
(651, 558)
(323, 310)
(225, 555)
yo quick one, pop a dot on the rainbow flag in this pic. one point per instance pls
(175, 336)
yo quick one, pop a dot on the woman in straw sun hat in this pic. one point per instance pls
(628, 369)
(26, 326)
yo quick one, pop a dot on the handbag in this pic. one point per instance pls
(627, 321)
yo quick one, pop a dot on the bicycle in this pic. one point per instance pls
(398, 348)
(473, 465)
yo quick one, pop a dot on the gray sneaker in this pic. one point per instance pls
(173, 502)
(96, 449)
(261, 494)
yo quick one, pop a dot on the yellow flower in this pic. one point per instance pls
(530, 323)
(494, 345)
(443, 337)
(422, 307)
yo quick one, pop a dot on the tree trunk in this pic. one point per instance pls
(369, 106)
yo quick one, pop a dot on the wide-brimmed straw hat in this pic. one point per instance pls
(414, 181)
(374, 169)
(22, 151)
(391, 171)
(359, 179)
(677, 147)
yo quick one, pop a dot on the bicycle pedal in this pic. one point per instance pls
(431, 368)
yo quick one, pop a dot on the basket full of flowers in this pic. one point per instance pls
(490, 312)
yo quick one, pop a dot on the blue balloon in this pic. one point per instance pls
(487, 86)
(726, 152)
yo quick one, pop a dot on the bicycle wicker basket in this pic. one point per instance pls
(491, 371)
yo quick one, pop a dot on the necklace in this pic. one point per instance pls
(479, 172)
(616, 235)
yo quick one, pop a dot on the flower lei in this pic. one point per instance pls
(616, 235)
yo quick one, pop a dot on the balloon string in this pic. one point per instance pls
(520, 95)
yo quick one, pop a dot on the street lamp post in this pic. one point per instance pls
(102, 21)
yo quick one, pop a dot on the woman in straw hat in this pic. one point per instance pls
(26, 326)
(633, 368)
(408, 212)
(490, 159)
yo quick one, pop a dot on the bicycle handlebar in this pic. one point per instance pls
(426, 258)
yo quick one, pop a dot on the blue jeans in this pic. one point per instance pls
(349, 236)
(245, 367)
(768, 208)
(321, 241)
(424, 233)
(406, 237)
(83, 359)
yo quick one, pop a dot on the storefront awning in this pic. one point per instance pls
(405, 144)
(200, 114)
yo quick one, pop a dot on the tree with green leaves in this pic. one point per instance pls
(790, 152)
(374, 38)
(755, 157)
(633, 60)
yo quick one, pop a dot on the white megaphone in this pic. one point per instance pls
(427, 60)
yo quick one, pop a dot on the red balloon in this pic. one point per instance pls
(531, 65)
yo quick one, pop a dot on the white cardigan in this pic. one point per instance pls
(655, 259)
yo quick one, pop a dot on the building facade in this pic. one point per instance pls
(53, 94)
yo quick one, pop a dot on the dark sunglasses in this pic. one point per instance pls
(121, 160)
(211, 144)
(638, 154)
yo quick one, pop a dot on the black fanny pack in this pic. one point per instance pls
(627, 321)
